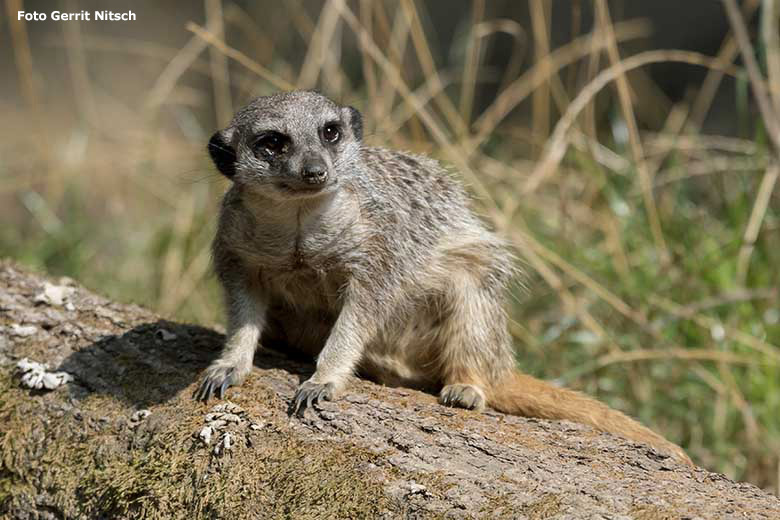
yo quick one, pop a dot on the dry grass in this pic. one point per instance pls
(652, 257)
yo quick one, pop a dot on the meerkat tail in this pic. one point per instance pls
(530, 397)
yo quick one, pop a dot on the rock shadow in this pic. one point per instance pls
(154, 362)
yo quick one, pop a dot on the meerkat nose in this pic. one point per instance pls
(314, 172)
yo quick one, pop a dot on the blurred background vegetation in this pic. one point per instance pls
(638, 183)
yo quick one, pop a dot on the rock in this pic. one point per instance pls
(225, 444)
(53, 294)
(416, 489)
(376, 453)
(140, 415)
(36, 376)
(23, 331)
(205, 434)
(165, 335)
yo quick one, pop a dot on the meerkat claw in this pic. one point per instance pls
(462, 396)
(215, 382)
(221, 393)
(201, 391)
(309, 395)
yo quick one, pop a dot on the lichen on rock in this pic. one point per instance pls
(37, 376)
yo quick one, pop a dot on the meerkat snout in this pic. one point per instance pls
(314, 171)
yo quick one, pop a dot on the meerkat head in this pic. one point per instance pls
(289, 145)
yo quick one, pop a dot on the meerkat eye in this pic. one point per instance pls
(331, 133)
(272, 143)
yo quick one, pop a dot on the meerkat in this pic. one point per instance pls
(370, 261)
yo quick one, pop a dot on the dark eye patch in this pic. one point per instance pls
(271, 144)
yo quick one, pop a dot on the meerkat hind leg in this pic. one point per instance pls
(472, 342)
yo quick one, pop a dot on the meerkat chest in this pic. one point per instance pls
(309, 268)
(287, 249)
(320, 251)
(313, 249)
(305, 289)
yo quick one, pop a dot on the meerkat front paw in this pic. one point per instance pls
(462, 396)
(217, 379)
(310, 394)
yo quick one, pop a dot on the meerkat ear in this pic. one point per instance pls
(222, 153)
(355, 122)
